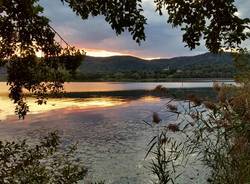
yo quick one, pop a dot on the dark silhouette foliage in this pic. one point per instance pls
(23, 32)
(214, 21)
(43, 163)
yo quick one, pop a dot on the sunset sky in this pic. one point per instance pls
(98, 39)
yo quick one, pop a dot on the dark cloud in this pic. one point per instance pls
(162, 40)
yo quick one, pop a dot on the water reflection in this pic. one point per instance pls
(127, 86)
(99, 100)
(111, 140)
(7, 107)
(107, 124)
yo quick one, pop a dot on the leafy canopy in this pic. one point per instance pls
(43, 163)
(23, 32)
(214, 21)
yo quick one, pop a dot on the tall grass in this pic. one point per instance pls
(214, 134)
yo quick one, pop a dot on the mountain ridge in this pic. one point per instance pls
(130, 68)
(131, 63)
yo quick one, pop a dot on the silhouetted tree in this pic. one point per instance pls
(214, 21)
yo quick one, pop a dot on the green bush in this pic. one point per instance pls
(43, 163)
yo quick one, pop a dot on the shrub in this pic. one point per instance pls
(43, 163)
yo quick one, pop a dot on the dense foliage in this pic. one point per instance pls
(212, 72)
(20, 23)
(215, 21)
(121, 15)
(43, 163)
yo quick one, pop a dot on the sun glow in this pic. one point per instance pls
(102, 53)
(152, 58)
(39, 53)
(106, 53)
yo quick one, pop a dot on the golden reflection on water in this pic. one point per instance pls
(150, 99)
(7, 107)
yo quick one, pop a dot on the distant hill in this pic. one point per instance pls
(112, 64)
(128, 68)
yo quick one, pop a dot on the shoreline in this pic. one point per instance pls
(161, 80)
(155, 80)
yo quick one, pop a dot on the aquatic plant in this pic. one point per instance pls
(209, 134)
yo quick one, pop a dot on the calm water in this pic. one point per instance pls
(112, 137)
(126, 86)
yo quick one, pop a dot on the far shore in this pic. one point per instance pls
(156, 80)
(160, 80)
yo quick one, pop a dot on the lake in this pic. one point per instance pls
(106, 119)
